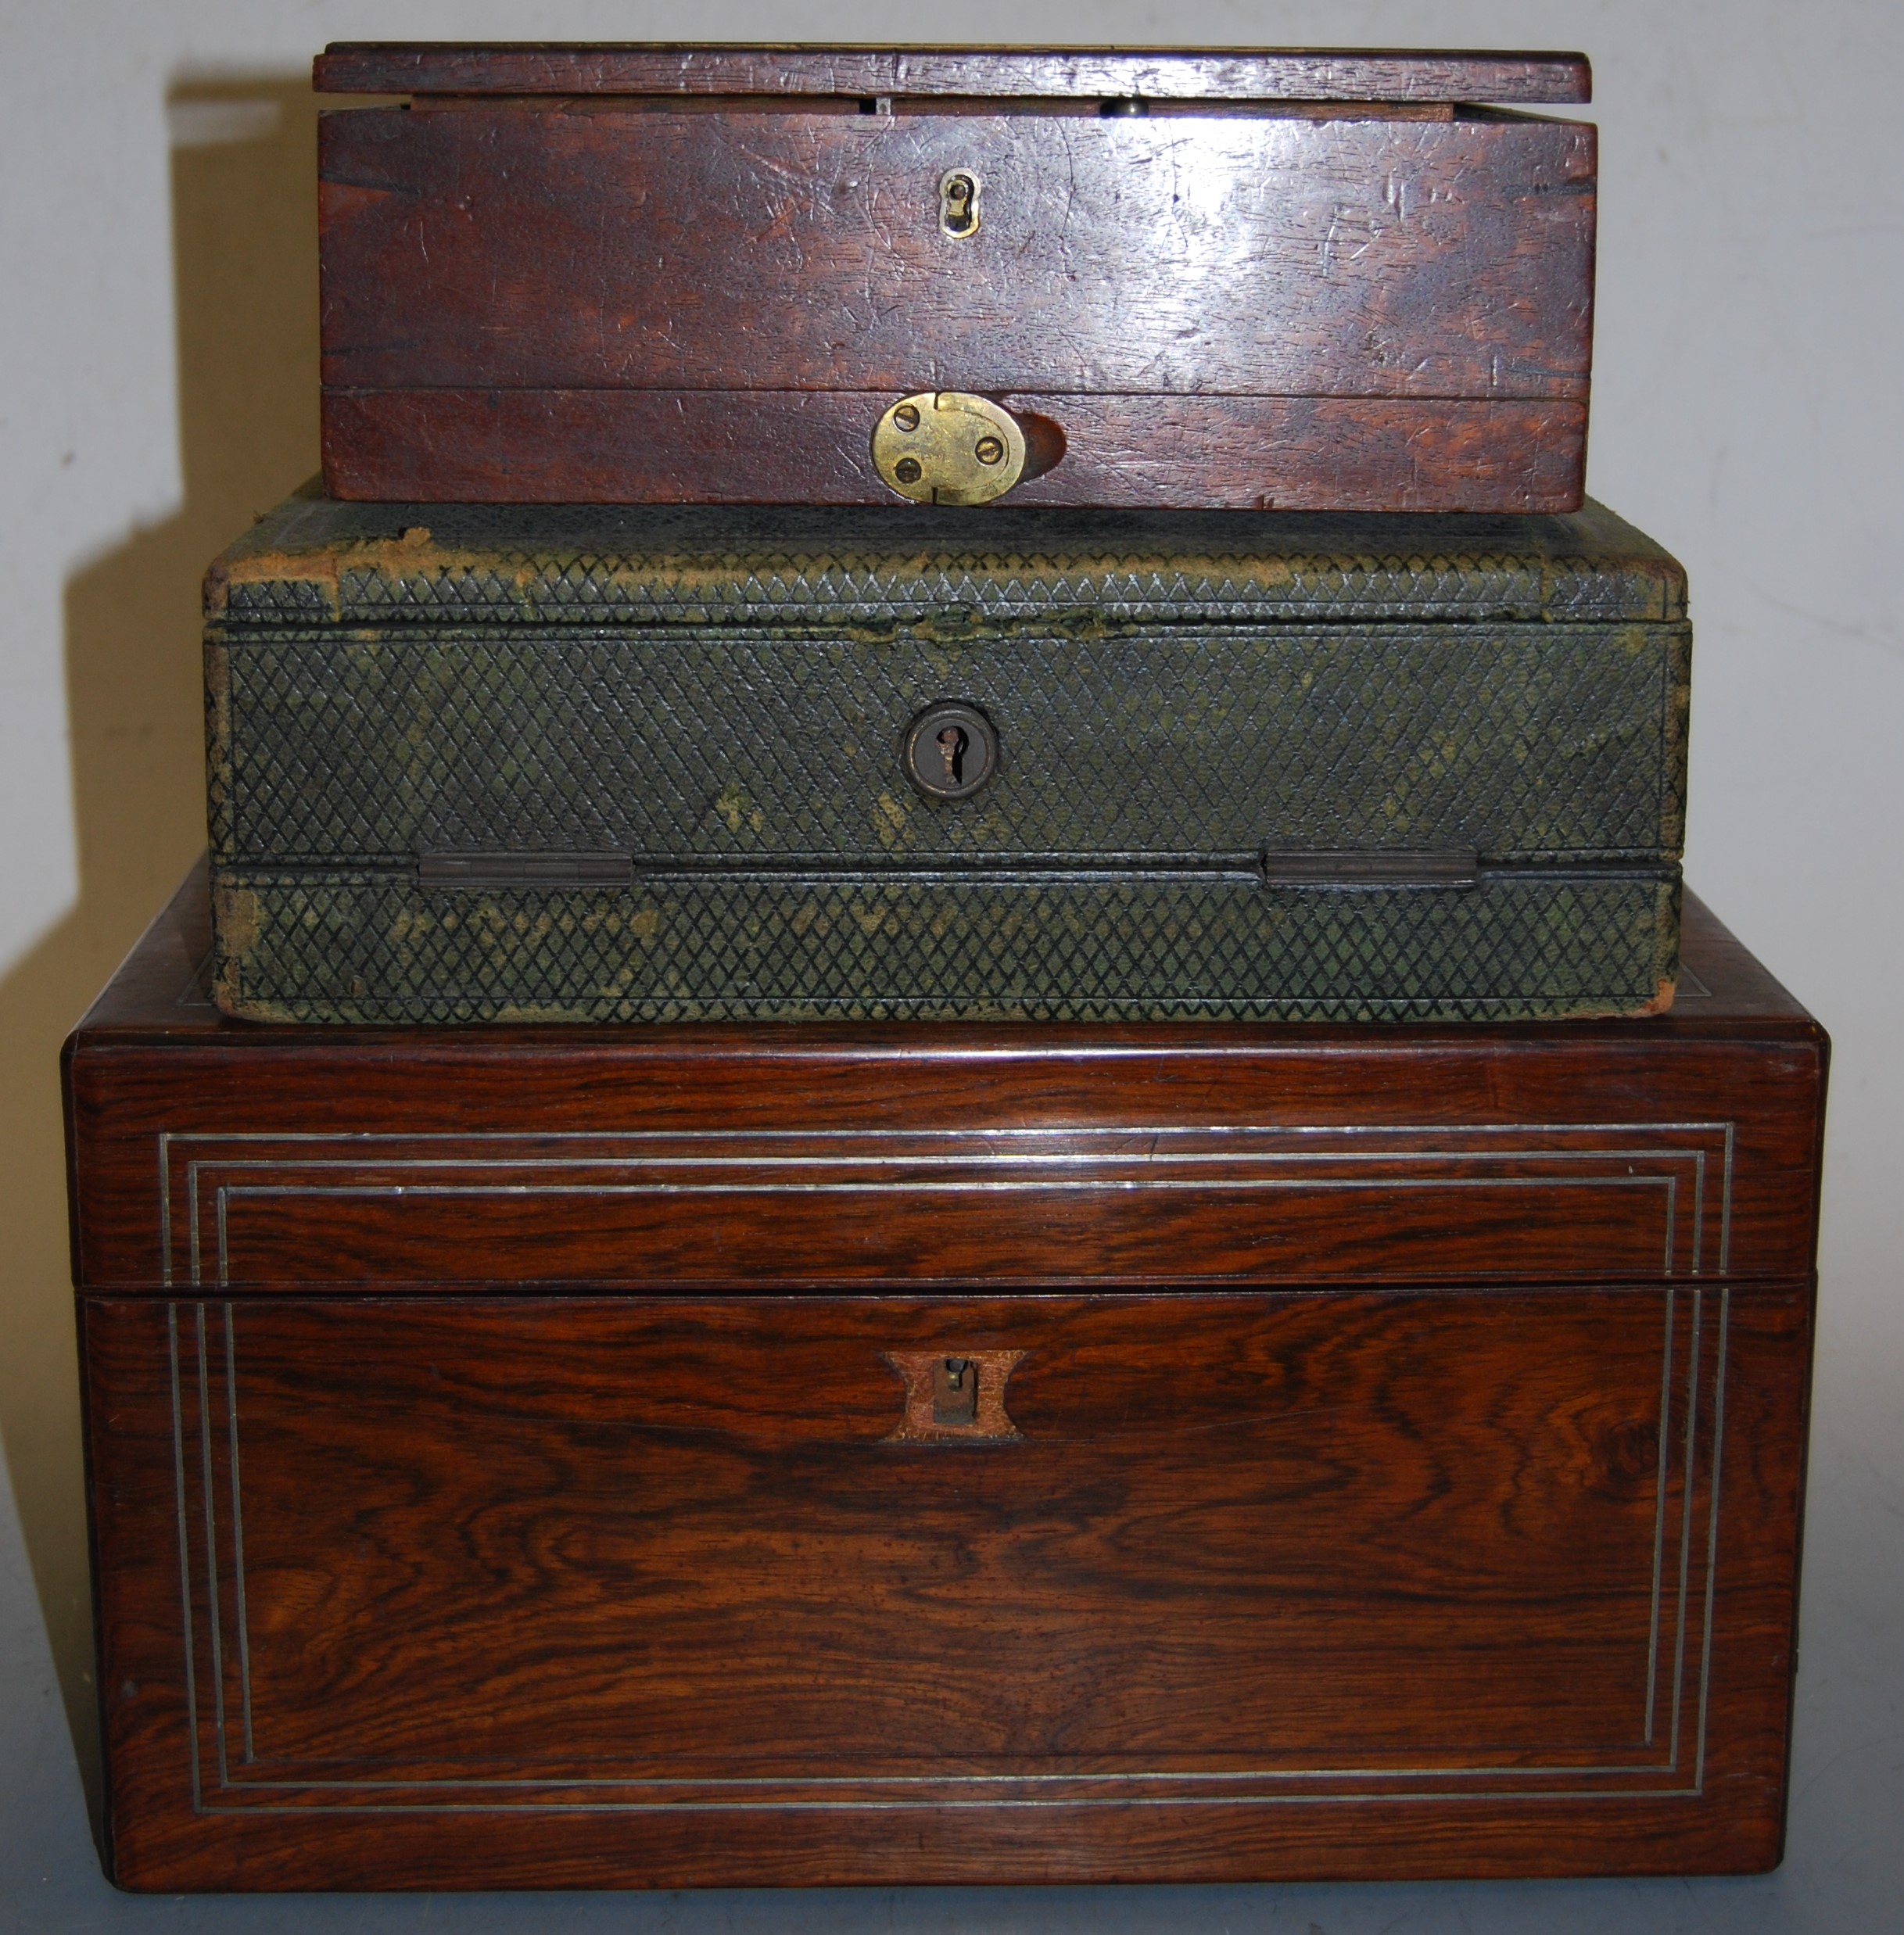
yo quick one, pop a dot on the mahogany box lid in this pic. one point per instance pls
(1224, 279)
(1204, 74)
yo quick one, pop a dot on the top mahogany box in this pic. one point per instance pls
(649, 274)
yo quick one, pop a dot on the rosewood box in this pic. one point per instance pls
(594, 1456)
(480, 763)
(1258, 280)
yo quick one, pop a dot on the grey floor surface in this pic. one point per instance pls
(1843, 1871)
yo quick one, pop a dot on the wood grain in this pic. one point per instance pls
(559, 1576)
(800, 1209)
(495, 249)
(542, 304)
(808, 446)
(1389, 1556)
(1085, 73)
(1483, 1127)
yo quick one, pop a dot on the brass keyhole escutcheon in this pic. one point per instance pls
(954, 1391)
(950, 750)
(958, 215)
(955, 1397)
(948, 447)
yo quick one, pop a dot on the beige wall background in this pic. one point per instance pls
(158, 374)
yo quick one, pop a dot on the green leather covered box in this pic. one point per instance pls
(486, 763)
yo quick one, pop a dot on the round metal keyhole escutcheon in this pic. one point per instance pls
(950, 750)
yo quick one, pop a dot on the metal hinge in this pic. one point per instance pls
(524, 869)
(1369, 867)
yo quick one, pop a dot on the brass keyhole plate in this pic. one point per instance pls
(954, 1391)
(948, 447)
(960, 189)
(950, 750)
(919, 1422)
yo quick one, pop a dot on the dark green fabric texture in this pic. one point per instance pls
(720, 699)
(755, 947)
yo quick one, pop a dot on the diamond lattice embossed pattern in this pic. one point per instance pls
(718, 701)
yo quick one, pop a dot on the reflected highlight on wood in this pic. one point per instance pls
(543, 288)
(528, 1457)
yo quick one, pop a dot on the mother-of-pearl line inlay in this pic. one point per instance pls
(649, 1151)
(889, 1792)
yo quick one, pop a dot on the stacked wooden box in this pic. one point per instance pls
(1155, 1296)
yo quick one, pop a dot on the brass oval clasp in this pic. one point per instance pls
(948, 447)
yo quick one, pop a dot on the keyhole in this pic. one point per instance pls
(949, 750)
(959, 203)
(954, 1391)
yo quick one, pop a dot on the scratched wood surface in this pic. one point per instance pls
(714, 446)
(1080, 73)
(589, 300)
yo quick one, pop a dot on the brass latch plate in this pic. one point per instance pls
(948, 447)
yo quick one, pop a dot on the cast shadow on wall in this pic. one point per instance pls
(243, 177)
